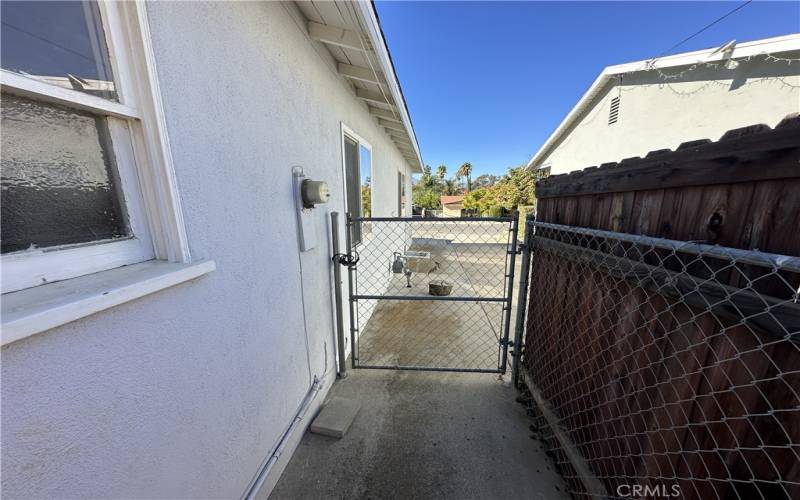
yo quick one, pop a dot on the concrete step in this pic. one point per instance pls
(335, 417)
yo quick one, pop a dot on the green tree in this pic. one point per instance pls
(366, 196)
(450, 187)
(441, 171)
(366, 200)
(427, 190)
(465, 170)
(427, 198)
(515, 189)
(485, 180)
(474, 199)
(427, 179)
(523, 180)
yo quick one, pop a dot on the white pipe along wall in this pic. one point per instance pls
(203, 389)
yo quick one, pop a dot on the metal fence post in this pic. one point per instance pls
(522, 298)
(509, 291)
(337, 292)
(349, 242)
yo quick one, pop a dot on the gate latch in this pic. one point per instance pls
(346, 259)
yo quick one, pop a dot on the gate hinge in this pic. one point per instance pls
(521, 248)
(507, 343)
(345, 259)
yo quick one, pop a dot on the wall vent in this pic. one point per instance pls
(613, 111)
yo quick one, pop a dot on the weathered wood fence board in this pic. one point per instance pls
(652, 385)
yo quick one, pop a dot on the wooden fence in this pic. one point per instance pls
(638, 384)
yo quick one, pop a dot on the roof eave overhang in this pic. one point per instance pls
(375, 34)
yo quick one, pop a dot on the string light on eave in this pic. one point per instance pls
(730, 63)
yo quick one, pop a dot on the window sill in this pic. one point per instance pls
(34, 310)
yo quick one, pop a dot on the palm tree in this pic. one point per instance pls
(451, 187)
(441, 171)
(465, 170)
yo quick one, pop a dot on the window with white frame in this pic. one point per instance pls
(81, 149)
(357, 155)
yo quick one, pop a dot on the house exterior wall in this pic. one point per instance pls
(185, 392)
(655, 113)
(451, 210)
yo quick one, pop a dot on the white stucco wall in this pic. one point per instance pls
(185, 392)
(703, 104)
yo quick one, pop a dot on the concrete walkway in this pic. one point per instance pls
(425, 435)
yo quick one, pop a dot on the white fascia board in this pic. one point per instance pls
(584, 101)
(379, 48)
(775, 45)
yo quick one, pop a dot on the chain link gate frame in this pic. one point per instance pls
(396, 322)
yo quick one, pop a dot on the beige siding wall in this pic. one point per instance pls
(451, 210)
(654, 114)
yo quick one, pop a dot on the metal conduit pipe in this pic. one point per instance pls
(265, 469)
(337, 293)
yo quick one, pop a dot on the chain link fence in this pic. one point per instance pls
(403, 264)
(659, 368)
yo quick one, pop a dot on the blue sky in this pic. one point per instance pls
(487, 82)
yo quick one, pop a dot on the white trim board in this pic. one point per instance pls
(29, 87)
(34, 310)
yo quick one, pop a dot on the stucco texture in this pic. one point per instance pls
(185, 392)
(662, 111)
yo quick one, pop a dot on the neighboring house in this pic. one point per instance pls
(168, 328)
(452, 206)
(634, 108)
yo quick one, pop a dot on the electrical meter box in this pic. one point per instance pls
(307, 194)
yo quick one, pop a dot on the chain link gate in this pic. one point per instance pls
(431, 294)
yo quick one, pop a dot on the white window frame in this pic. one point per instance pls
(141, 148)
(360, 141)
